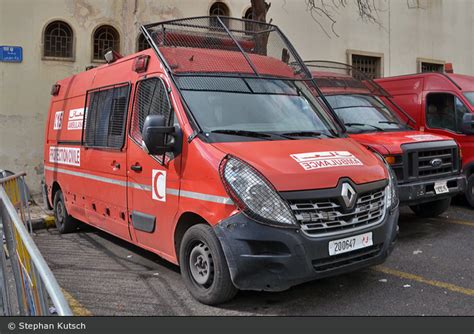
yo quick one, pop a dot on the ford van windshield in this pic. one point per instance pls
(364, 113)
(259, 109)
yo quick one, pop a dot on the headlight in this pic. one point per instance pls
(254, 194)
(391, 191)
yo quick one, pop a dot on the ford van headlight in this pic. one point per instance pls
(254, 194)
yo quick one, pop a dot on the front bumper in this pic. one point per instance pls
(421, 192)
(261, 257)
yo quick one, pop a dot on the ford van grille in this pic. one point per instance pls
(323, 217)
(429, 160)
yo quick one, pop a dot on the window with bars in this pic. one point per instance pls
(431, 67)
(106, 117)
(105, 38)
(142, 43)
(219, 9)
(369, 65)
(151, 98)
(58, 41)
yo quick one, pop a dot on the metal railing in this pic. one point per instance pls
(35, 287)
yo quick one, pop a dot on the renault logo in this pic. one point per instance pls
(436, 162)
(348, 195)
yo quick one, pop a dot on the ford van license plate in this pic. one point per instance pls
(350, 244)
(440, 187)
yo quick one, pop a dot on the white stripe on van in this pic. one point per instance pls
(144, 187)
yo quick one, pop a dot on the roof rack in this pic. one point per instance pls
(357, 79)
(216, 45)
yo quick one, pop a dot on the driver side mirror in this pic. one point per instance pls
(467, 125)
(157, 137)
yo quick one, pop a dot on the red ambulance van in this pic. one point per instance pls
(212, 150)
(440, 104)
(428, 168)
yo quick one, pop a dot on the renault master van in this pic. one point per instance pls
(428, 167)
(442, 104)
(212, 150)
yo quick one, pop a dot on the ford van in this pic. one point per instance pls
(442, 104)
(213, 150)
(428, 167)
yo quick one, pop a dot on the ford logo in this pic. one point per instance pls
(436, 162)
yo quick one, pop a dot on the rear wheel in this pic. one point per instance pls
(431, 209)
(203, 266)
(470, 190)
(64, 222)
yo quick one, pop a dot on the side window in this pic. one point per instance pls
(151, 98)
(106, 117)
(444, 111)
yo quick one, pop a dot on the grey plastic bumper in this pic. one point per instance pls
(262, 257)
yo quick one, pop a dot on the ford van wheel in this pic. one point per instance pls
(203, 266)
(470, 190)
(64, 222)
(431, 209)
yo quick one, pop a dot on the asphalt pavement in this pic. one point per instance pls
(430, 272)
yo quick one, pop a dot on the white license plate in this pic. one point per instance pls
(440, 187)
(350, 244)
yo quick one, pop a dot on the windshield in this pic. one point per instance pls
(470, 97)
(364, 113)
(257, 108)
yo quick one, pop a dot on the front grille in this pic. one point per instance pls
(323, 217)
(418, 160)
(425, 169)
(341, 260)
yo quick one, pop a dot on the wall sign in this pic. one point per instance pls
(11, 54)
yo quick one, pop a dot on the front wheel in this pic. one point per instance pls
(204, 267)
(470, 190)
(431, 209)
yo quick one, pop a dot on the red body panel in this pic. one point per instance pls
(101, 188)
(410, 92)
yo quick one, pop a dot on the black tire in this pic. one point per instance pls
(431, 209)
(64, 222)
(470, 190)
(200, 243)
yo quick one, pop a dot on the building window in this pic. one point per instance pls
(428, 65)
(371, 66)
(219, 9)
(105, 38)
(142, 43)
(249, 26)
(58, 41)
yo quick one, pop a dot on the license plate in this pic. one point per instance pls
(350, 244)
(440, 187)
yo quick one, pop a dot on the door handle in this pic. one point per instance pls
(136, 168)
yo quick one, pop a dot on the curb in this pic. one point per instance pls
(43, 223)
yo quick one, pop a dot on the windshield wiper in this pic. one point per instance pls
(389, 122)
(361, 124)
(306, 134)
(244, 133)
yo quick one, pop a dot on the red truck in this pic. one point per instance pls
(427, 167)
(212, 150)
(440, 104)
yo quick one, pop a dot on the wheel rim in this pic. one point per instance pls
(201, 264)
(60, 212)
